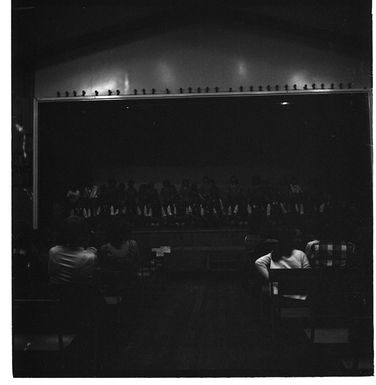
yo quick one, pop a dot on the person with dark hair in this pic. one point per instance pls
(283, 256)
(120, 252)
(71, 270)
(70, 262)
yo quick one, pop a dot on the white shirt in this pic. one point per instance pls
(71, 264)
(297, 260)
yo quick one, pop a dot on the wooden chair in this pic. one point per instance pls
(325, 311)
(37, 329)
(285, 283)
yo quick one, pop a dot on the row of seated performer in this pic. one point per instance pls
(193, 205)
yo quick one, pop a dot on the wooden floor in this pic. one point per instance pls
(207, 326)
(199, 325)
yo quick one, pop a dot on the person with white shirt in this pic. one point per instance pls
(283, 256)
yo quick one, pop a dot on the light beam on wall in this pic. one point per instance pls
(126, 83)
(242, 68)
(166, 74)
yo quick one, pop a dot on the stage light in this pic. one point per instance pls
(74, 93)
(305, 87)
(285, 103)
(66, 94)
(127, 107)
(295, 87)
(109, 92)
(118, 92)
(83, 93)
(96, 93)
(58, 94)
(313, 86)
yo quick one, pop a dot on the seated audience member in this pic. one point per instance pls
(120, 252)
(70, 262)
(283, 256)
(330, 250)
(71, 270)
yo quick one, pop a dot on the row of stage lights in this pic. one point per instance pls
(199, 90)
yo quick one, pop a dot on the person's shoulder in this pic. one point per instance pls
(55, 249)
(298, 253)
(91, 252)
(313, 242)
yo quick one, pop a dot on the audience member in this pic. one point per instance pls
(70, 262)
(120, 252)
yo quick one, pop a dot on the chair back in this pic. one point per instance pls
(293, 281)
(332, 254)
(35, 315)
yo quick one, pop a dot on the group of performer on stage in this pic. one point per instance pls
(194, 205)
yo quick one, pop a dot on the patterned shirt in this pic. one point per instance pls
(330, 253)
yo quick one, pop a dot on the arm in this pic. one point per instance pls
(304, 261)
(263, 265)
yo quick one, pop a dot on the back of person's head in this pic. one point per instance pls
(284, 246)
(73, 231)
(112, 183)
(117, 234)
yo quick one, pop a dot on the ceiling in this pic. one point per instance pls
(47, 30)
